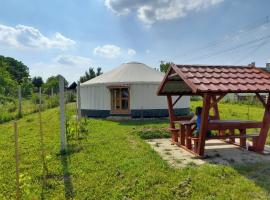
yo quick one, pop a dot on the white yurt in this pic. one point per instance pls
(128, 90)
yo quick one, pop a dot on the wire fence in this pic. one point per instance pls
(16, 103)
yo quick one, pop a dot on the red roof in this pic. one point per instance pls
(201, 79)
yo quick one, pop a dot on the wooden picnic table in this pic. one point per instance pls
(233, 124)
(185, 132)
(187, 127)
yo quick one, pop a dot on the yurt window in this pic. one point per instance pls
(120, 100)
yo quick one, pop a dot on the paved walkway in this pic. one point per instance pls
(216, 152)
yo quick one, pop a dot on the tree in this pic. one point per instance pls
(164, 66)
(7, 84)
(37, 81)
(99, 72)
(16, 69)
(53, 83)
(90, 74)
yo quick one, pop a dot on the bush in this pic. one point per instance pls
(153, 133)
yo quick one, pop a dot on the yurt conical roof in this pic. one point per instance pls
(132, 72)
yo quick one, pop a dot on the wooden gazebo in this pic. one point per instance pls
(213, 83)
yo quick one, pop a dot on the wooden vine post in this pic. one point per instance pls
(62, 114)
(19, 101)
(17, 161)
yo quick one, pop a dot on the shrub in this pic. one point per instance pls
(153, 133)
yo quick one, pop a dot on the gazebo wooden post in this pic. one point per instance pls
(265, 127)
(204, 123)
(171, 115)
(215, 107)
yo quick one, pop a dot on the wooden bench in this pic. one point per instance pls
(174, 134)
(221, 137)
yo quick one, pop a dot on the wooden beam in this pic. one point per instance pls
(172, 75)
(261, 99)
(265, 127)
(218, 99)
(172, 118)
(215, 107)
(204, 123)
(177, 100)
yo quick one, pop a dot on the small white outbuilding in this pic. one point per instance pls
(128, 90)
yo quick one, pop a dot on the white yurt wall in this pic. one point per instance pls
(95, 97)
(144, 96)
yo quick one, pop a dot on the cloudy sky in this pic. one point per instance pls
(67, 36)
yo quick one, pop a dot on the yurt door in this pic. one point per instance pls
(120, 101)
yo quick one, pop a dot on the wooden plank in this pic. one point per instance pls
(177, 100)
(171, 116)
(232, 132)
(234, 136)
(182, 135)
(224, 124)
(204, 123)
(261, 99)
(215, 107)
(163, 82)
(188, 135)
(218, 99)
(265, 127)
(192, 86)
(243, 139)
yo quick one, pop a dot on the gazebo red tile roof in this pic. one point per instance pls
(224, 79)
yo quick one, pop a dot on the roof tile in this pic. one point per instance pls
(225, 78)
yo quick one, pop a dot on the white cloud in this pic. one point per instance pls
(150, 11)
(131, 52)
(108, 51)
(22, 36)
(70, 60)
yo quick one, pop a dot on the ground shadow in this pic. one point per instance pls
(253, 166)
(69, 193)
(259, 173)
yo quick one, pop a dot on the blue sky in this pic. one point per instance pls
(67, 36)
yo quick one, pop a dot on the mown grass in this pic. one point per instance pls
(113, 162)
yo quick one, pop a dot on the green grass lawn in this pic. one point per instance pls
(111, 161)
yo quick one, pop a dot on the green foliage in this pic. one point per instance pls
(113, 163)
(37, 81)
(164, 66)
(52, 83)
(16, 69)
(152, 133)
(90, 74)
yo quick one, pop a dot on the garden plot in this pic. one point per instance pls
(216, 152)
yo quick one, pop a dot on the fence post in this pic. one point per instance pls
(79, 112)
(44, 166)
(20, 101)
(17, 161)
(62, 113)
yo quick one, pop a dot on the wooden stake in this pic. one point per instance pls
(62, 113)
(20, 101)
(17, 161)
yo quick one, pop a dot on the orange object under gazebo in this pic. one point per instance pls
(213, 83)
